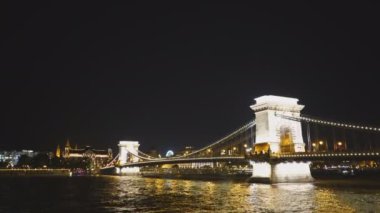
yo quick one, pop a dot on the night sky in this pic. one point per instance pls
(170, 75)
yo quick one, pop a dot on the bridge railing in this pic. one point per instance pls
(266, 157)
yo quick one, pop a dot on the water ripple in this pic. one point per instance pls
(136, 194)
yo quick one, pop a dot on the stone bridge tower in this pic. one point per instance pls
(128, 152)
(279, 134)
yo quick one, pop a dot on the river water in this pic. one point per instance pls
(137, 194)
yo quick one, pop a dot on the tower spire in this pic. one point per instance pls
(67, 149)
(58, 152)
(68, 144)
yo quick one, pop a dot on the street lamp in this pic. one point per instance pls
(233, 150)
(339, 146)
(320, 147)
(223, 152)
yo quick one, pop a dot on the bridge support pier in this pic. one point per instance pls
(127, 170)
(280, 172)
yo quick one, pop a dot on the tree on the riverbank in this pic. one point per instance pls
(56, 163)
(4, 164)
(24, 161)
(41, 160)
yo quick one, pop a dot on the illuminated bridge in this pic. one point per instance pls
(271, 147)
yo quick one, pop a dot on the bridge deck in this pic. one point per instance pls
(187, 160)
(300, 156)
(307, 156)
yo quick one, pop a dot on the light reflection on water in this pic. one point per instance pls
(136, 194)
(228, 196)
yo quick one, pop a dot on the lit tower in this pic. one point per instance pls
(67, 149)
(278, 134)
(128, 153)
(273, 131)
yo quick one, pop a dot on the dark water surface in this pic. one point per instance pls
(137, 194)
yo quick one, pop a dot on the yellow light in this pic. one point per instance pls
(234, 148)
(314, 145)
(245, 145)
(208, 150)
(339, 143)
(320, 142)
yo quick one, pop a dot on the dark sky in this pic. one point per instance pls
(170, 75)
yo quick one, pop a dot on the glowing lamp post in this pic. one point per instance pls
(339, 146)
(314, 146)
(320, 147)
(233, 150)
(209, 151)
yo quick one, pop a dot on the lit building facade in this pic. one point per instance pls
(97, 158)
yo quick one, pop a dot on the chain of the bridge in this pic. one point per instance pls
(226, 138)
(330, 123)
(145, 157)
(113, 161)
(342, 136)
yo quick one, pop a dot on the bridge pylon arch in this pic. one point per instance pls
(128, 152)
(279, 134)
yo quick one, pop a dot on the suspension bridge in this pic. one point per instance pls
(270, 148)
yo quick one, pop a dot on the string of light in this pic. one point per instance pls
(110, 164)
(338, 124)
(234, 133)
(141, 157)
(241, 129)
(171, 160)
(331, 123)
(146, 155)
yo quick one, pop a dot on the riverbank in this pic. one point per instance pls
(196, 174)
(34, 172)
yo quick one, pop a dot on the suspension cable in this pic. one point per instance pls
(112, 161)
(241, 129)
(329, 123)
(234, 133)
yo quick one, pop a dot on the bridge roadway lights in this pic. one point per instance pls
(280, 172)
